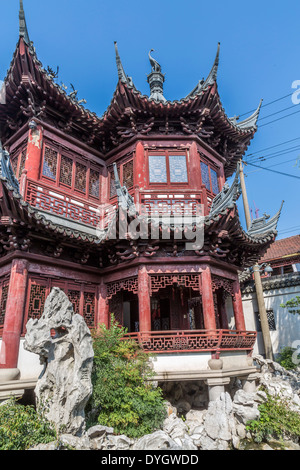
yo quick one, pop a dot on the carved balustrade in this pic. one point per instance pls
(194, 340)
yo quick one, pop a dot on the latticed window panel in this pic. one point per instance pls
(89, 309)
(214, 182)
(74, 297)
(178, 169)
(157, 169)
(112, 190)
(271, 320)
(4, 294)
(94, 183)
(50, 163)
(205, 175)
(80, 177)
(66, 168)
(36, 300)
(128, 174)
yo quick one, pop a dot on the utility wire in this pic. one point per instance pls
(268, 104)
(277, 112)
(279, 119)
(274, 171)
(274, 155)
(277, 164)
(273, 146)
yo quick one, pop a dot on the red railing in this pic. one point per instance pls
(194, 340)
(178, 203)
(53, 200)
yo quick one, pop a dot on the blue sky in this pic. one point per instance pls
(259, 59)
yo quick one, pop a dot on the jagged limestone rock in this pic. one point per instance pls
(64, 386)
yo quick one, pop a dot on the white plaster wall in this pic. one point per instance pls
(287, 325)
(188, 362)
(28, 363)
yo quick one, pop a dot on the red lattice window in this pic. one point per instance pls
(50, 163)
(128, 174)
(89, 309)
(80, 178)
(74, 297)
(113, 191)
(36, 300)
(66, 168)
(94, 184)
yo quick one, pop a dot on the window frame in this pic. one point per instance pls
(167, 154)
(210, 168)
(120, 167)
(63, 152)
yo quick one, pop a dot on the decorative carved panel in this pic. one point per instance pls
(66, 167)
(50, 163)
(160, 281)
(89, 308)
(74, 297)
(94, 184)
(130, 284)
(128, 174)
(222, 283)
(80, 177)
(37, 299)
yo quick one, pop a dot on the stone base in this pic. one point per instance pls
(15, 388)
(6, 375)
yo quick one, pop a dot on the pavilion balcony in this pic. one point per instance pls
(214, 341)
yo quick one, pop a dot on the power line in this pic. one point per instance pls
(275, 155)
(273, 146)
(283, 232)
(268, 104)
(277, 112)
(277, 164)
(274, 171)
(279, 119)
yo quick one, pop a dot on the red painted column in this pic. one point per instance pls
(34, 152)
(103, 306)
(208, 300)
(238, 307)
(194, 168)
(144, 300)
(204, 199)
(140, 166)
(14, 314)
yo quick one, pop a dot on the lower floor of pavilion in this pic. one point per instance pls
(168, 307)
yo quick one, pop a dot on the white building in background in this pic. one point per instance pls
(279, 286)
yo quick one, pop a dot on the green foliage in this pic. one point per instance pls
(276, 421)
(22, 427)
(285, 358)
(122, 389)
(293, 305)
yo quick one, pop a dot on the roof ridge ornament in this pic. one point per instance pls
(156, 80)
(23, 31)
(261, 226)
(249, 122)
(211, 78)
(121, 72)
(227, 198)
(6, 170)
